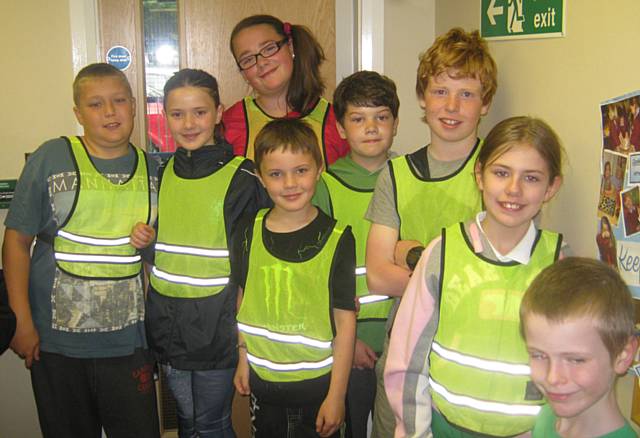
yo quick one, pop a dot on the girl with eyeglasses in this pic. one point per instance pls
(281, 62)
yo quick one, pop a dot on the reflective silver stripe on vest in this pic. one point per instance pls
(483, 405)
(295, 366)
(361, 270)
(88, 258)
(190, 280)
(92, 240)
(176, 249)
(290, 339)
(367, 299)
(482, 364)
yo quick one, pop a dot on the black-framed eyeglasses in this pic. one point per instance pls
(248, 61)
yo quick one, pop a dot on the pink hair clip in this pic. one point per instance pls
(287, 28)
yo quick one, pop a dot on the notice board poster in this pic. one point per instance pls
(618, 235)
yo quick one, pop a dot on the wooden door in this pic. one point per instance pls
(204, 27)
(207, 24)
(120, 24)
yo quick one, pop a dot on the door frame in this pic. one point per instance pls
(85, 36)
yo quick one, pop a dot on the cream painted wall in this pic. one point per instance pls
(563, 80)
(409, 29)
(36, 80)
(37, 72)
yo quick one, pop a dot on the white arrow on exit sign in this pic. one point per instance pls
(494, 10)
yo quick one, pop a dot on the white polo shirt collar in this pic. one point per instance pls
(521, 253)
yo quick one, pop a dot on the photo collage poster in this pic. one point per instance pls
(618, 235)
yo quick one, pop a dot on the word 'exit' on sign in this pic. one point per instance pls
(512, 19)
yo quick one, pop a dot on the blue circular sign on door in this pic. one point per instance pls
(119, 57)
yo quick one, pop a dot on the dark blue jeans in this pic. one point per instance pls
(203, 401)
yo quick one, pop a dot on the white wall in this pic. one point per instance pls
(409, 29)
(563, 80)
(36, 77)
(346, 50)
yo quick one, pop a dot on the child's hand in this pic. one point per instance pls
(402, 249)
(330, 416)
(241, 377)
(364, 356)
(26, 343)
(142, 235)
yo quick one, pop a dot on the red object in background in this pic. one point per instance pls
(157, 130)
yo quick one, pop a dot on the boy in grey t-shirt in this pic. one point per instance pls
(419, 193)
(78, 297)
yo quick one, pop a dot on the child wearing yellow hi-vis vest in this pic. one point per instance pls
(295, 267)
(366, 106)
(191, 304)
(78, 292)
(457, 363)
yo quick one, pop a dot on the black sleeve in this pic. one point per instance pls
(239, 249)
(148, 254)
(262, 197)
(343, 274)
(420, 162)
(7, 317)
(245, 196)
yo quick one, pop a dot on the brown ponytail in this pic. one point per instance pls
(306, 84)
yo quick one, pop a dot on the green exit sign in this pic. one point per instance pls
(510, 19)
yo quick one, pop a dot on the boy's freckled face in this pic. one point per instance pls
(571, 365)
(453, 107)
(369, 130)
(105, 109)
(290, 179)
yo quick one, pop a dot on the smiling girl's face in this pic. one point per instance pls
(269, 76)
(514, 186)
